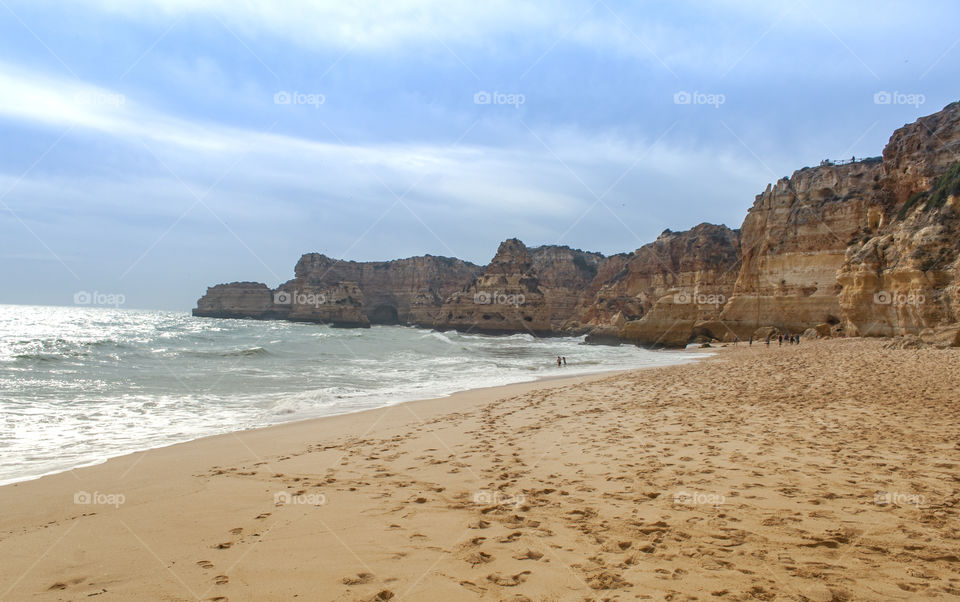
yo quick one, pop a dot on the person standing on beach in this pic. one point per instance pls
(564, 361)
(751, 340)
(768, 340)
(559, 361)
(780, 341)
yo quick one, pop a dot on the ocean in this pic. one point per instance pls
(80, 385)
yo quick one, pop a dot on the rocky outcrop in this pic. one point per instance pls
(340, 304)
(239, 300)
(346, 293)
(505, 298)
(670, 287)
(403, 291)
(793, 240)
(869, 247)
(901, 278)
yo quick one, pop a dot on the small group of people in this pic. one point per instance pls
(561, 360)
(790, 339)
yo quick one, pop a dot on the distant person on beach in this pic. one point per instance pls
(780, 341)
(564, 361)
(559, 361)
(768, 341)
(736, 340)
(751, 340)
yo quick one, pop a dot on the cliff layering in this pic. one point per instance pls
(867, 248)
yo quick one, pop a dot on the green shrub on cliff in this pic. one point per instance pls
(946, 185)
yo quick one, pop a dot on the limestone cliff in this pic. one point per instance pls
(402, 291)
(346, 293)
(869, 247)
(793, 240)
(340, 304)
(672, 286)
(901, 277)
(507, 297)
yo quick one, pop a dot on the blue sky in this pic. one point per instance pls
(149, 151)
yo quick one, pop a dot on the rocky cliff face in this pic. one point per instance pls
(346, 293)
(868, 248)
(673, 286)
(901, 277)
(793, 240)
(403, 291)
(506, 297)
(340, 304)
(239, 300)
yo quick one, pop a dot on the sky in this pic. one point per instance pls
(152, 148)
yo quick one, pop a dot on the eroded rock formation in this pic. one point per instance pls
(868, 248)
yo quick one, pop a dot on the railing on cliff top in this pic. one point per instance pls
(831, 162)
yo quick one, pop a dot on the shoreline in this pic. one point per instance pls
(825, 470)
(536, 379)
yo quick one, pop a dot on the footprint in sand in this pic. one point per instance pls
(470, 585)
(221, 580)
(205, 564)
(360, 579)
(511, 581)
(528, 555)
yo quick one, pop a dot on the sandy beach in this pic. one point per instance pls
(824, 471)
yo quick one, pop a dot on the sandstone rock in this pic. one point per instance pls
(869, 248)
(794, 239)
(909, 341)
(505, 298)
(943, 336)
(763, 332)
(239, 300)
(402, 291)
(406, 291)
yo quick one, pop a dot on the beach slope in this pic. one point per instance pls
(824, 471)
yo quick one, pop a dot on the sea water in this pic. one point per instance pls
(80, 385)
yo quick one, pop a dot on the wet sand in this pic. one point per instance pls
(825, 471)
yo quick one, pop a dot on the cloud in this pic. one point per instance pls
(373, 24)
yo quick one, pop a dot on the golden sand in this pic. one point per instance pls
(825, 471)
